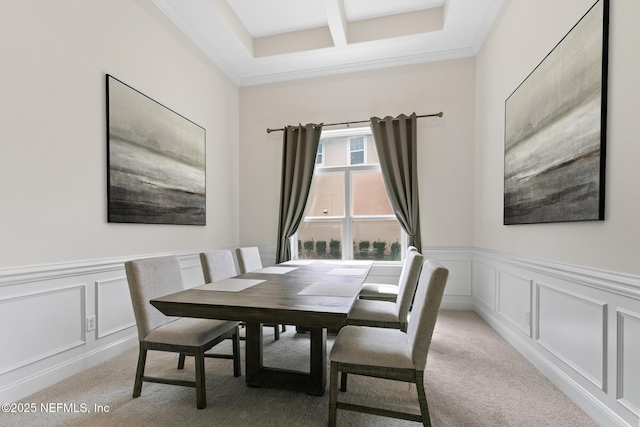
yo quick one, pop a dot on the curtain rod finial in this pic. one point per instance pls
(269, 130)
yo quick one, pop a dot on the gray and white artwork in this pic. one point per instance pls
(156, 161)
(555, 129)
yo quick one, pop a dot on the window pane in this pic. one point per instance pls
(369, 194)
(320, 239)
(357, 158)
(357, 143)
(319, 154)
(356, 148)
(327, 195)
(348, 201)
(377, 239)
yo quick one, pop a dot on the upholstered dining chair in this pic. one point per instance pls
(249, 260)
(382, 291)
(154, 277)
(217, 265)
(386, 314)
(390, 353)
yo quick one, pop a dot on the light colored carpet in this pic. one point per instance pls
(473, 378)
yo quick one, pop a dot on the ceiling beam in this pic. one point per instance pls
(337, 20)
(231, 20)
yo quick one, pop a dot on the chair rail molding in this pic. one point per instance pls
(609, 281)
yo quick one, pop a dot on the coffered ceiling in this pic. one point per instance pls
(263, 41)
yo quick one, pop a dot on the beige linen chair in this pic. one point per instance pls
(385, 314)
(249, 260)
(390, 353)
(217, 265)
(154, 277)
(382, 291)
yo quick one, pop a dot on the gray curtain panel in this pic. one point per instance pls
(299, 150)
(396, 142)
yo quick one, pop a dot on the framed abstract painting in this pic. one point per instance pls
(156, 161)
(555, 130)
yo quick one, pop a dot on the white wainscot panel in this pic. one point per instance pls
(573, 327)
(514, 300)
(42, 324)
(485, 284)
(113, 306)
(459, 280)
(628, 392)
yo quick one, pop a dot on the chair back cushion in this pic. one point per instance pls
(425, 311)
(249, 259)
(217, 265)
(151, 278)
(407, 284)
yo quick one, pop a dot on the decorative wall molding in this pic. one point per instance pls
(29, 323)
(574, 344)
(503, 289)
(514, 300)
(608, 281)
(578, 336)
(48, 272)
(30, 382)
(485, 281)
(31, 297)
(112, 313)
(628, 351)
(595, 407)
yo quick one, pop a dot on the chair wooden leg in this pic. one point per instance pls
(201, 391)
(343, 381)
(284, 328)
(181, 361)
(142, 358)
(276, 332)
(422, 399)
(333, 394)
(237, 368)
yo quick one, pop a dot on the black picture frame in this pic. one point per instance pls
(156, 161)
(555, 130)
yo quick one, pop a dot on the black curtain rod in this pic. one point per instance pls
(440, 114)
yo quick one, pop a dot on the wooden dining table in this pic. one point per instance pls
(313, 295)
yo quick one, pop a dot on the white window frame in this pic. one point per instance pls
(348, 217)
(364, 149)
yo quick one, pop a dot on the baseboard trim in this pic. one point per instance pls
(40, 380)
(456, 303)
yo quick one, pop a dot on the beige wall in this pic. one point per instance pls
(53, 150)
(53, 128)
(446, 145)
(522, 35)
